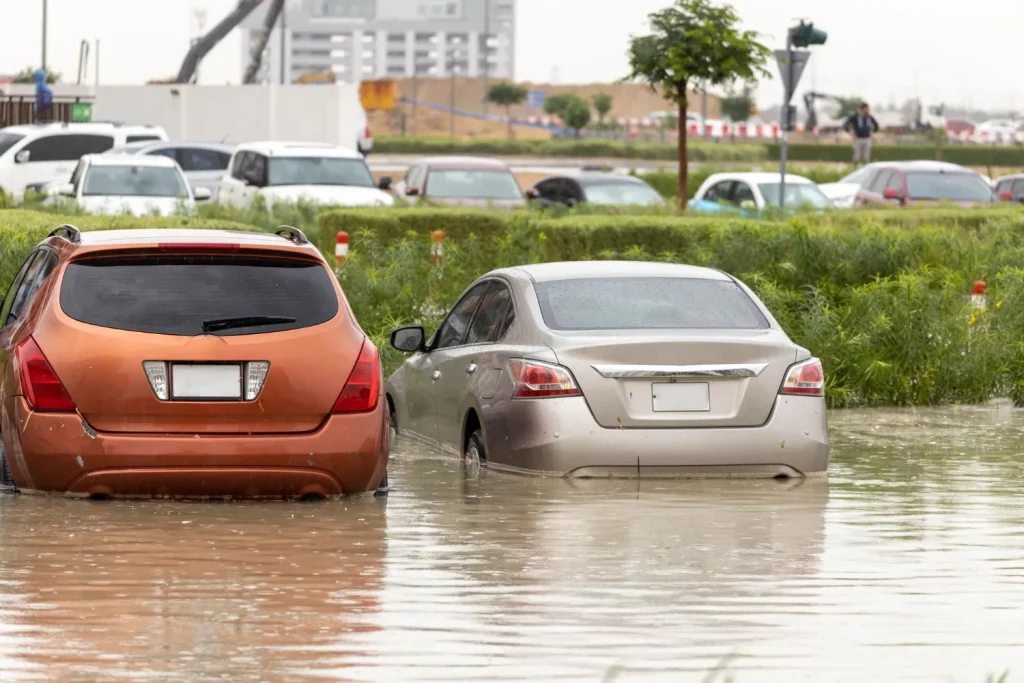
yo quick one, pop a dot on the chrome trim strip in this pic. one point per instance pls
(679, 371)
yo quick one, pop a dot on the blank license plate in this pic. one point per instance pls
(681, 397)
(206, 381)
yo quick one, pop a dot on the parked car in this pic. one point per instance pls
(1010, 188)
(364, 138)
(751, 193)
(167, 363)
(204, 163)
(112, 184)
(293, 171)
(462, 181)
(594, 188)
(912, 182)
(595, 369)
(33, 155)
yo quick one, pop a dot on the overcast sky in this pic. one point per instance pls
(940, 50)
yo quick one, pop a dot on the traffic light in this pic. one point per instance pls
(806, 35)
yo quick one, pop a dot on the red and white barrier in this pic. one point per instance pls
(437, 247)
(341, 248)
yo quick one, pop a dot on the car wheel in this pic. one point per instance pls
(476, 453)
(7, 484)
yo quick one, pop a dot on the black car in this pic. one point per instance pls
(594, 188)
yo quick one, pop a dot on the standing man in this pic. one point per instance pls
(44, 98)
(862, 126)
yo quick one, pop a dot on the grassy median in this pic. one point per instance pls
(881, 296)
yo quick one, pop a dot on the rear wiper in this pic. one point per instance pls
(215, 324)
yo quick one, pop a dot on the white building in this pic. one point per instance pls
(371, 39)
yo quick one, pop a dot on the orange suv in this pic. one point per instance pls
(186, 364)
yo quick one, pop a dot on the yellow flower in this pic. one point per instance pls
(972, 320)
(999, 304)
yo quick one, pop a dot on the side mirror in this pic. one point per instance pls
(412, 191)
(66, 190)
(22, 157)
(409, 339)
(385, 183)
(202, 194)
(891, 194)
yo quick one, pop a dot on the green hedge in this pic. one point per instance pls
(701, 150)
(21, 231)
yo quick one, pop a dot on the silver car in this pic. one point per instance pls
(597, 369)
(204, 163)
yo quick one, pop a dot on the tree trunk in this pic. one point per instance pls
(508, 118)
(682, 153)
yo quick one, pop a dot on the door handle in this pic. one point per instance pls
(471, 368)
(436, 376)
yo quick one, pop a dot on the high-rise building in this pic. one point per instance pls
(370, 39)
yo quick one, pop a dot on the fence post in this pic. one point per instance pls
(341, 248)
(437, 248)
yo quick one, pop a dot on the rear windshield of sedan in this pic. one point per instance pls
(647, 303)
(953, 187)
(175, 294)
(470, 184)
(133, 181)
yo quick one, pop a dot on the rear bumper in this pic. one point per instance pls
(55, 453)
(560, 436)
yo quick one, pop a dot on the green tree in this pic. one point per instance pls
(506, 94)
(576, 114)
(938, 137)
(28, 75)
(848, 106)
(556, 104)
(691, 41)
(602, 105)
(739, 106)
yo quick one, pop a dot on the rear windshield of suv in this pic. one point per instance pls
(175, 295)
(647, 303)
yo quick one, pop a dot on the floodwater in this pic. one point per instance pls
(907, 563)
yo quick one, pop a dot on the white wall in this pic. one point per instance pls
(237, 113)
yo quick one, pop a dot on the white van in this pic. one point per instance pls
(32, 156)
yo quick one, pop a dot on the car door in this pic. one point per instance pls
(1018, 190)
(234, 181)
(873, 190)
(202, 167)
(16, 303)
(467, 370)
(53, 157)
(744, 198)
(254, 177)
(546, 192)
(445, 347)
(715, 198)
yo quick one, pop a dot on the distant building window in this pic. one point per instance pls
(451, 9)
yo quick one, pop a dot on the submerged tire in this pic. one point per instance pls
(476, 452)
(6, 480)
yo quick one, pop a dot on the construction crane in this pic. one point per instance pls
(207, 42)
(812, 117)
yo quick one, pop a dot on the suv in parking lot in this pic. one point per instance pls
(186, 363)
(34, 155)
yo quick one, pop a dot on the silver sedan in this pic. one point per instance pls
(598, 369)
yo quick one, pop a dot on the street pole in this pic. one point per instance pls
(45, 2)
(785, 121)
(487, 50)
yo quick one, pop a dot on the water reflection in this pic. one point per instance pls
(905, 564)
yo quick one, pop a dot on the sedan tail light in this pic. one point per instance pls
(362, 390)
(805, 379)
(42, 387)
(534, 379)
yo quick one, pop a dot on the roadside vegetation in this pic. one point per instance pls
(881, 296)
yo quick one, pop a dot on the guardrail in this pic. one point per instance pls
(18, 110)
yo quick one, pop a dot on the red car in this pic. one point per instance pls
(923, 182)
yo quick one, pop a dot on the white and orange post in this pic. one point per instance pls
(341, 249)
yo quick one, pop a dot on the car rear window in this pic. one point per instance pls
(954, 187)
(175, 294)
(647, 303)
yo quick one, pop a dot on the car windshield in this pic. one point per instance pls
(8, 140)
(175, 294)
(319, 171)
(797, 194)
(134, 181)
(472, 184)
(647, 303)
(622, 193)
(953, 187)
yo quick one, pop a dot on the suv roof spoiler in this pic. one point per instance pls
(291, 234)
(68, 232)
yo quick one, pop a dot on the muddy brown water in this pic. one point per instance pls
(907, 563)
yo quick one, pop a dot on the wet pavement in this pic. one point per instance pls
(907, 563)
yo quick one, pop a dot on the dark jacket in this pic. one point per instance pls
(862, 126)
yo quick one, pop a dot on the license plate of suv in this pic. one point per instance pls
(206, 382)
(681, 397)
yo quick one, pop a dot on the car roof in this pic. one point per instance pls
(925, 165)
(760, 177)
(131, 160)
(465, 163)
(146, 145)
(299, 149)
(1012, 176)
(103, 240)
(92, 127)
(575, 270)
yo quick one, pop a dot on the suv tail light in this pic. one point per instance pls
(362, 390)
(805, 379)
(42, 387)
(534, 379)
(366, 132)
